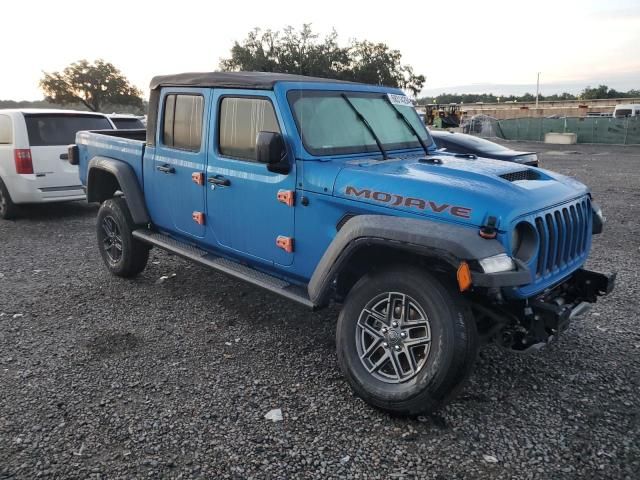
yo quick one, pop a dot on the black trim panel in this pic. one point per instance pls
(226, 266)
(448, 242)
(128, 182)
(516, 278)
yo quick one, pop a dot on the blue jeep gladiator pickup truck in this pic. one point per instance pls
(319, 191)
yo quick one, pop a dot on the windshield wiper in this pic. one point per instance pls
(366, 124)
(408, 124)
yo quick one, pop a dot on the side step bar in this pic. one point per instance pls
(229, 267)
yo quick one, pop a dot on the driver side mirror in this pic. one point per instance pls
(270, 149)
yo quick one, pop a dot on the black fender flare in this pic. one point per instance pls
(449, 242)
(128, 185)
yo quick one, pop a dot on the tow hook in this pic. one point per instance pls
(489, 229)
(580, 310)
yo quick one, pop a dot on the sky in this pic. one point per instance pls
(452, 43)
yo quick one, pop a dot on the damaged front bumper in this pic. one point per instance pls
(531, 323)
(554, 309)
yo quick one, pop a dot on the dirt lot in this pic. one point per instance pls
(102, 377)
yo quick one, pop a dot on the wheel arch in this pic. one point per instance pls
(386, 255)
(437, 246)
(106, 176)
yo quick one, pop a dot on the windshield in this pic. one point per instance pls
(328, 125)
(60, 128)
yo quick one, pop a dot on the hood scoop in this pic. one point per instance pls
(521, 175)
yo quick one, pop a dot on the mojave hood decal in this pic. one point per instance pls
(394, 200)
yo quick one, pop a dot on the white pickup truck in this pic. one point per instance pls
(33, 150)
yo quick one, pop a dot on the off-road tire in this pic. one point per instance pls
(452, 349)
(8, 209)
(114, 225)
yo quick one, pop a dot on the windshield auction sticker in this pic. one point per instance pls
(400, 100)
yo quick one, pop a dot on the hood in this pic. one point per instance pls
(457, 189)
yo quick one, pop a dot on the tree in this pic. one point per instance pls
(304, 53)
(94, 85)
(593, 93)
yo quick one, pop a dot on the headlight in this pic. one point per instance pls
(524, 241)
(497, 263)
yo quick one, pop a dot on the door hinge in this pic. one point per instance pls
(198, 178)
(198, 217)
(288, 197)
(285, 243)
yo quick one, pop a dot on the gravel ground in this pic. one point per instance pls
(102, 377)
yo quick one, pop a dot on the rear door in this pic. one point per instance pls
(49, 135)
(180, 161)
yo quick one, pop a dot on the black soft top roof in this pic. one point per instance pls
(254, 80)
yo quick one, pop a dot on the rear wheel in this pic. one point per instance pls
(406, 341)
(123, 255)
(8, 209)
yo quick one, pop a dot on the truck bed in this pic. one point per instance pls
(137, 134)
(125, 145)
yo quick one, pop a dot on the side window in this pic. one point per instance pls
(182, 123)
(240, 121)
(6, 131)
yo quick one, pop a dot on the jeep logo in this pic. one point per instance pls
(396, 200)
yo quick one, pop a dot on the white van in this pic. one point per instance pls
(33, 151)
(627, 110)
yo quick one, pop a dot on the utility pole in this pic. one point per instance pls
(537, 89)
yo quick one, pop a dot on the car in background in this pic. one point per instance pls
(33, 153)
(461, 143)
(126, 122)
(627, 110)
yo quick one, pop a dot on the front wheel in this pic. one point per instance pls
(406, 342)
(123, 255)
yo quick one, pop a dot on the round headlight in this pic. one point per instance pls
(524, 241)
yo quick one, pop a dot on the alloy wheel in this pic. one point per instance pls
(393, 337)
(112, 241)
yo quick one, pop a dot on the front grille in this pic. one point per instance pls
(521, 175)
(564, 235)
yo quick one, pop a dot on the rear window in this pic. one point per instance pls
(61, 129)
(182, 125)
(127, 123)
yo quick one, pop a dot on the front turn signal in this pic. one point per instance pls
(464, 277)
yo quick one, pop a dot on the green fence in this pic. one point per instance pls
(622, 131)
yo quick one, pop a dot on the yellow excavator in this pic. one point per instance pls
(443, 116)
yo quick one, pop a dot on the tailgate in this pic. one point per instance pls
(50, 170)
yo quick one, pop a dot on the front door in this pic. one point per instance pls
(180, 161)
(244, 214)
